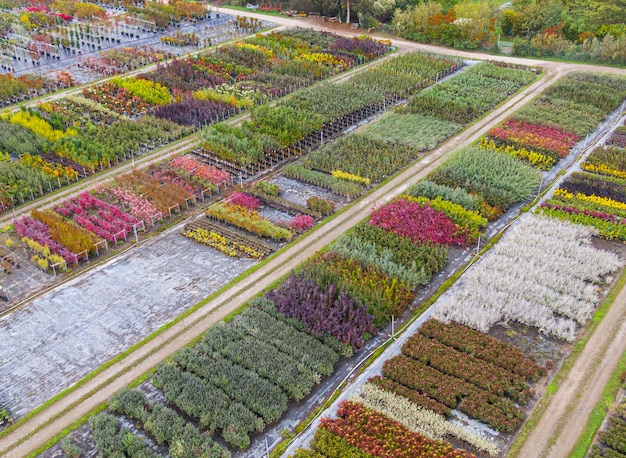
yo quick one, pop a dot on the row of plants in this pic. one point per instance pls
(131, 201)
(240, 230)
(592, 200)
(165, 426)
(241, 375)
(362, 432)
(612, 437)
(544, 270)
(418, 391)
(544, 131)
(455, 100)
(405, 74)
(596, 196)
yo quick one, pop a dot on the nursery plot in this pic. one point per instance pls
(455, 100)
(549, 284)
(364, 432)
(417, 390)
(389, 143)
(417, 131)
(299, 124)
(407, 73)
(255, 223)
(499, 179)
(233, 383)
(593, 199)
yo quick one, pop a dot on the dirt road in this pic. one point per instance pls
(49, 422)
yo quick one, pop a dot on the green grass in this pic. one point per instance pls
(560, 376)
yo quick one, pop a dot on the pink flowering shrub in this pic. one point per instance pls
(202, 171)
(139, 208)
(418, 222)
(244, 200)
(103, 219)
(301, 223)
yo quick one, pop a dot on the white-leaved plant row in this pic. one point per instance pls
(543, 273)
(418, 419)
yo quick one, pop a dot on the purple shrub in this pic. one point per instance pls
(323, 312)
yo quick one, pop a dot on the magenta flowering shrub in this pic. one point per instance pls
(103, 219)
(418, 222)
(244, 200)
(139, 208)
(301, 222)
(36, 230)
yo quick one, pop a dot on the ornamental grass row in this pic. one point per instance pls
(501, 180)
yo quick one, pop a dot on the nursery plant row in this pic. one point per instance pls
(80, 227)
(376, 151)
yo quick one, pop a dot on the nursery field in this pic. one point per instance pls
(329, 306)
(54, 45)
(383, 308)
